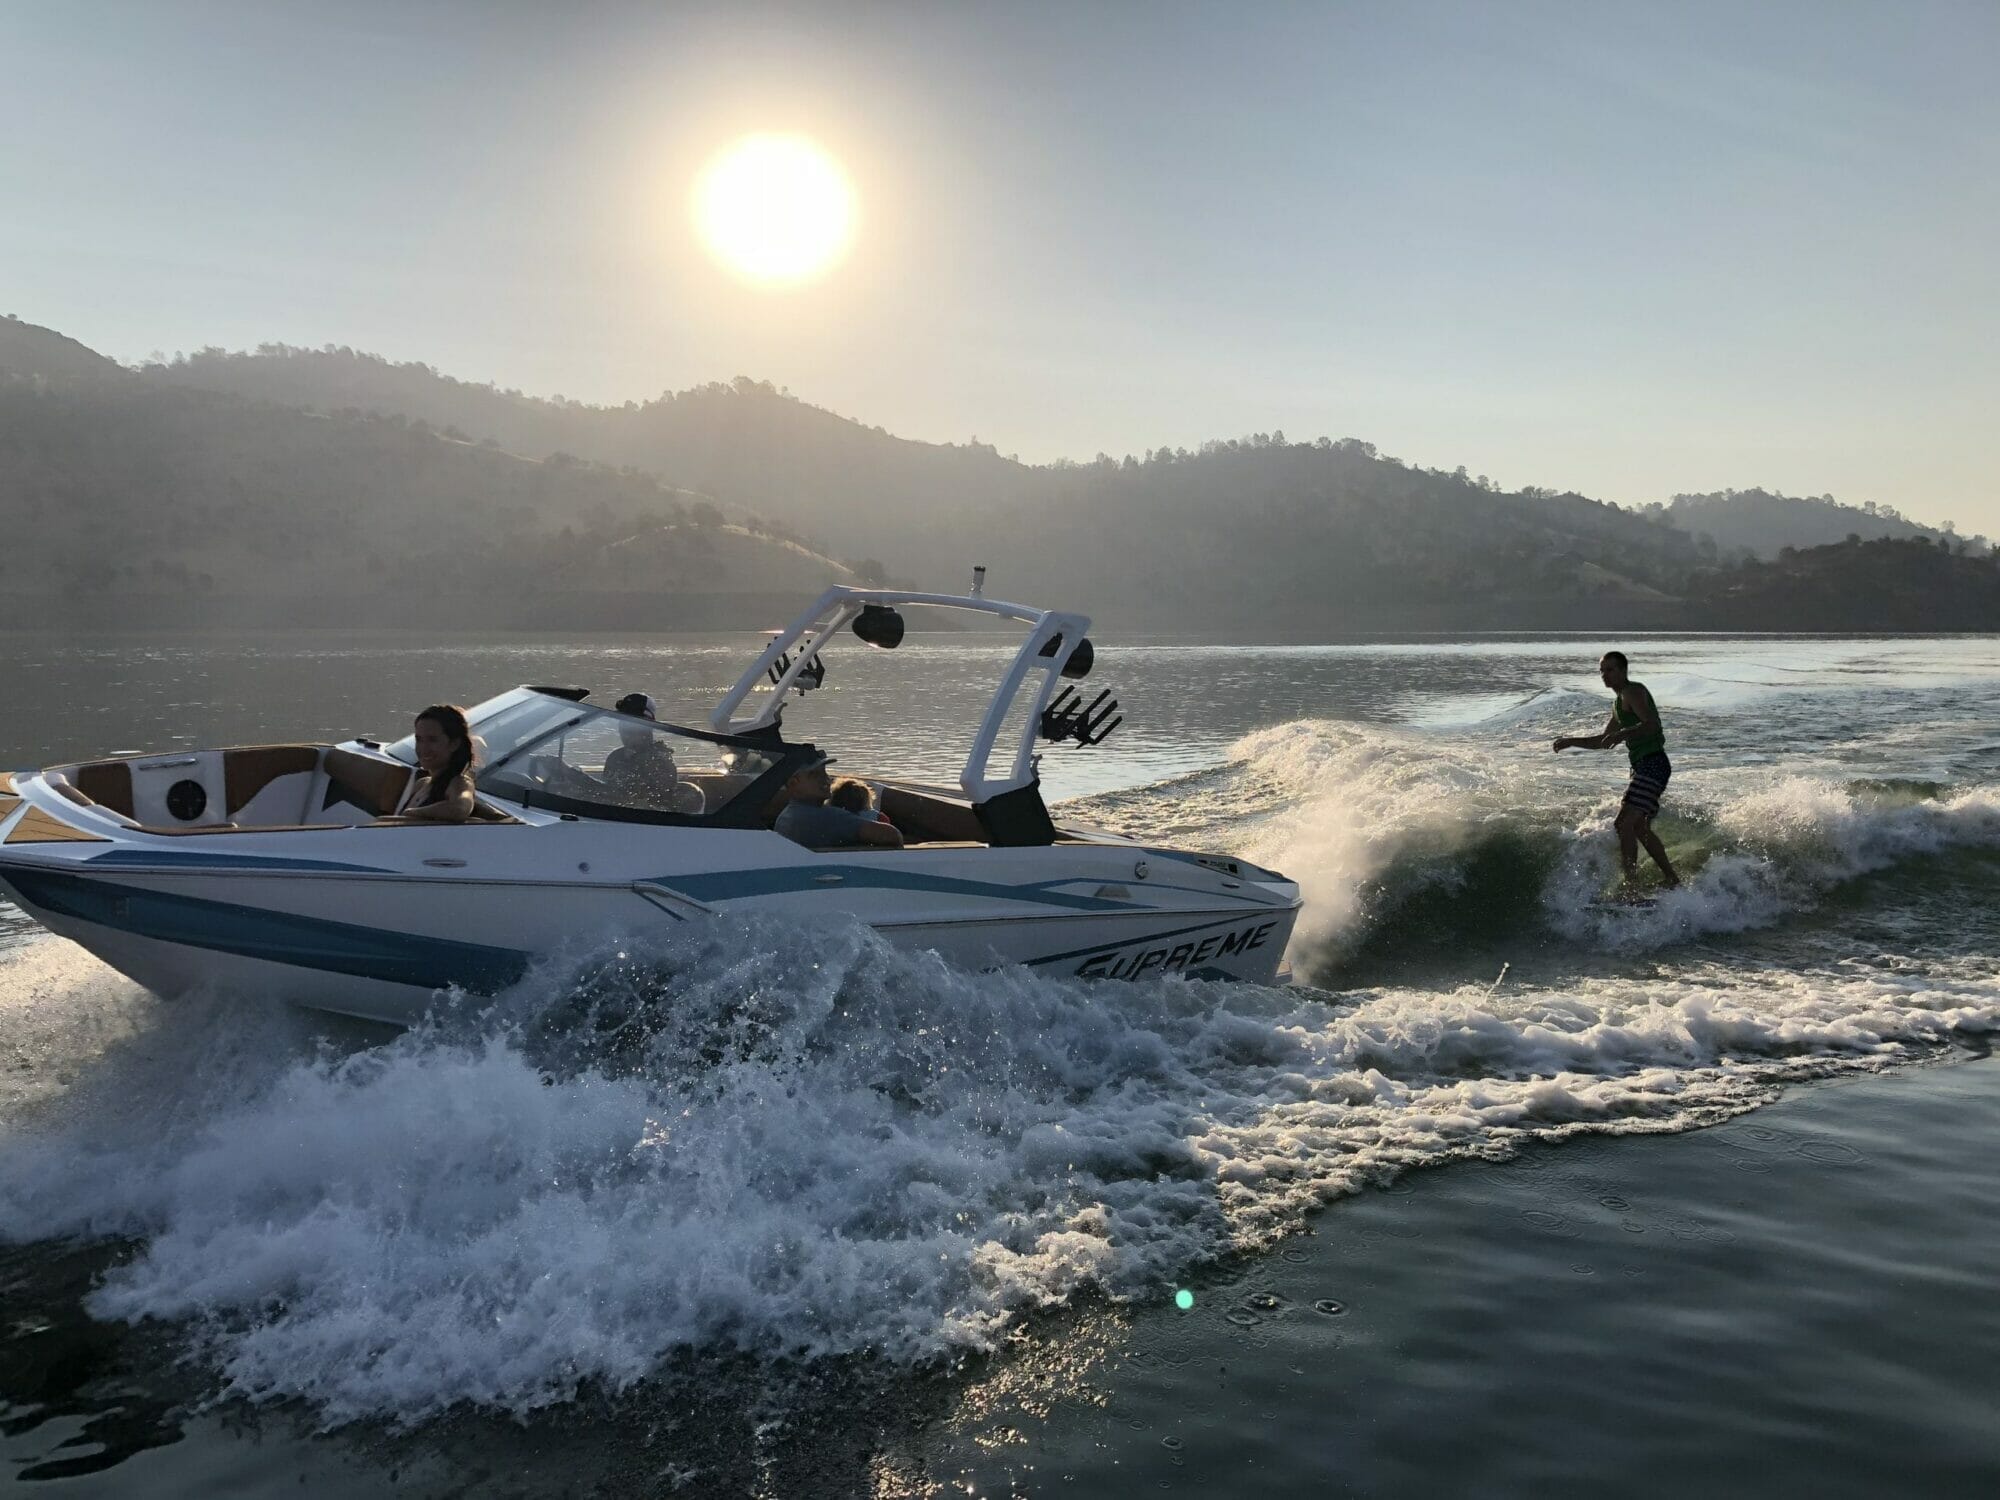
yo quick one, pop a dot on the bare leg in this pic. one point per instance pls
(1659, 852)
(1628, 848)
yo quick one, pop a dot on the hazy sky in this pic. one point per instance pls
(1630, 249)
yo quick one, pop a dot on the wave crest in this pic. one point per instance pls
(1411, 845)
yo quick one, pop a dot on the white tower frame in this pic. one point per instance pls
(840, 606)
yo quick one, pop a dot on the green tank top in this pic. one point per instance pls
(1640, 745)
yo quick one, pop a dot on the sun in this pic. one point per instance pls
(775, 209)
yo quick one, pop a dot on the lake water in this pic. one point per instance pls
(1509, 1195)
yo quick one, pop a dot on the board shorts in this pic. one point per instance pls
(1648, 783)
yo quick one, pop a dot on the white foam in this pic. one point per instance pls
(807, 1143)
(1847, 832)
(1333, 805)
(1354, 812)
(1786, 844)
(802, 1143)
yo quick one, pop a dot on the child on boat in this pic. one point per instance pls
(852, 795)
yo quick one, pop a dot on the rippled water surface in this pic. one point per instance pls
(1511, 1195)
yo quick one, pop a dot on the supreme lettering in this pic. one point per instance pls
(1131, 963)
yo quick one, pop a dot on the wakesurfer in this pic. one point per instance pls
(1634, 723)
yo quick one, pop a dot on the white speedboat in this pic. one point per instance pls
(267, 868)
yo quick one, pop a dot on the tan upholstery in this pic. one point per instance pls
(107, 782)
(375, 786)
(248, 769)
(929, 820)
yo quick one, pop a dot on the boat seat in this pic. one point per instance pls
(370, 786)
(60, 783)
(257, 774)
(922, 819)
(931, 820)
(108, 783)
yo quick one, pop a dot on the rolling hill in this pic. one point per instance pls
(123, 499)
(292, 483)
(1256, 533)
(1888, 584)
(32, 354)
(1764, 524)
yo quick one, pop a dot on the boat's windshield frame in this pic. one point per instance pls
(561, 714)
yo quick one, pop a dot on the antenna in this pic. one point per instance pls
(978, 580)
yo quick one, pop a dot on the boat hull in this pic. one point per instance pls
(383, 943)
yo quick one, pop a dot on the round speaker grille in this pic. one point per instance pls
(187, 800)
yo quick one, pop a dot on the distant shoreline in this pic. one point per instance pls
(434, 612)
(732, 613)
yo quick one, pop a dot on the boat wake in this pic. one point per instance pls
(799, 1144)
(790, 1143)
(1410, 847)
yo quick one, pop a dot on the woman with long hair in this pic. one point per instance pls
(446, 756)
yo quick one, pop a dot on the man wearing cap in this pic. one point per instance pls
(809, 821)
(642, 770)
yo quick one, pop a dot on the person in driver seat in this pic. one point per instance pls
(807, 819)
(642, 770)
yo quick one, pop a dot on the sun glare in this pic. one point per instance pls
(775, 209)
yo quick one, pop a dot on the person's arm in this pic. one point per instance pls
(455, 806)
(820, 827)
(1603, 740)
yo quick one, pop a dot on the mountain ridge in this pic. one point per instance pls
(1763, 522)
(931, 510)
(1255, 534)
(31, 352)
(124, 499)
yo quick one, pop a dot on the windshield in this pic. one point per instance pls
(592, 761)
(545, 751)
(502, 725)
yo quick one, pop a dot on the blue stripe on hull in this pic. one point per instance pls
(176, 858)
(738, 885)
(276, 937)
(428, 963)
